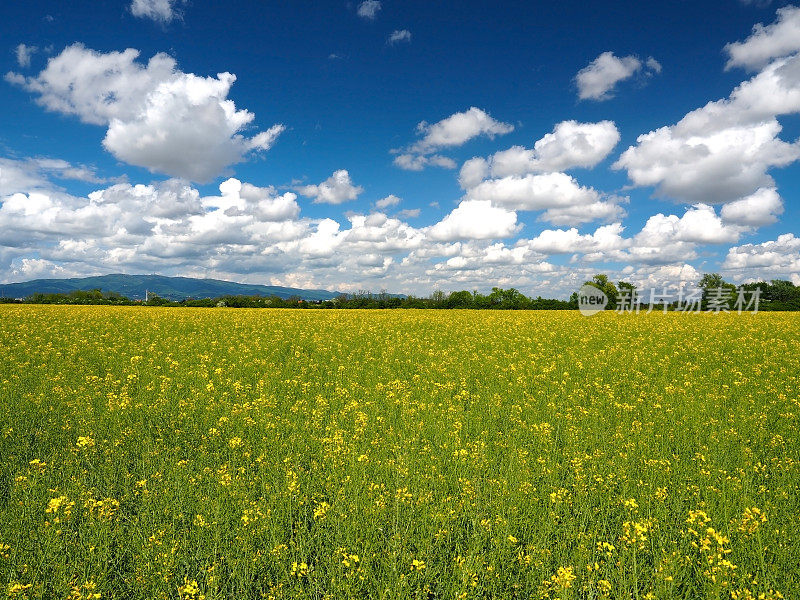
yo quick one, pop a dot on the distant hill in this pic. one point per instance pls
(172, 288)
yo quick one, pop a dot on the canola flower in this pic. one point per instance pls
(153, 453)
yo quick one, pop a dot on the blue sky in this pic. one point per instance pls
(405, 146)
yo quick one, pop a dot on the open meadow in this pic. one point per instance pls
(221, 453)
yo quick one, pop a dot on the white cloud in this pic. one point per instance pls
(34, 174)
(399, 35)
(714, 167)
(64, 170)
(368, 9)
(534, 192)
(669, 238)
(158, 117)
(264, 203)
(565, 201)
(417, 162)
(98, 87)
(458, 129)
(598, 79)
(336, 189)
(162, 11)
(387, 202)
(475, 220)
(652, 64)
(245, 233)
(21, 176)
(654, 279)
(257, 234)
(323, 242)
(608, 210)
(569, 145)
(722, 151)
(779, 39)
(530, 179)
(762, 207)
(559, 241)
(378, 233)
(24, 54)
(35, 268)
(775, 256)
(701, 224)
(472, 172)
(455, 130)
(266, 139)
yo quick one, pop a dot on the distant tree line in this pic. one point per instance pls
(778, 294)
(74, 297)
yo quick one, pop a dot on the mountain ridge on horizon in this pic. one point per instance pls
(172, 288)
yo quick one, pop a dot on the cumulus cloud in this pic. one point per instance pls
(35, 174)
(458, 129)
(158, 117)
(532, 179)
(455, 130)
(387, 202)
(399, 35)
(597, 80)
(336, 189)
(245, 233)
(24, 54)
(472, 172)
(22, 176)
(780, 256)
(533, 192)
(669, 238)
(700, 224)
(162, 11)
(663, 240)
(35, 268)
(266, 204)
(165, 226)
(722, 152)
(368, 9)
(713, 166)
(563, 199)
(571, 144)
(606, 209)
(762, 207)
(657, 278)
(779, 39)
(560, 241)
(476, 220)
(258, 234)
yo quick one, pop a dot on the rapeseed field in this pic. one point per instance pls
(217, 453)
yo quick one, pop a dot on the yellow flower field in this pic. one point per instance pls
(221, 453)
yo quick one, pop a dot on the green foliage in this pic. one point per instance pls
(714, 286)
